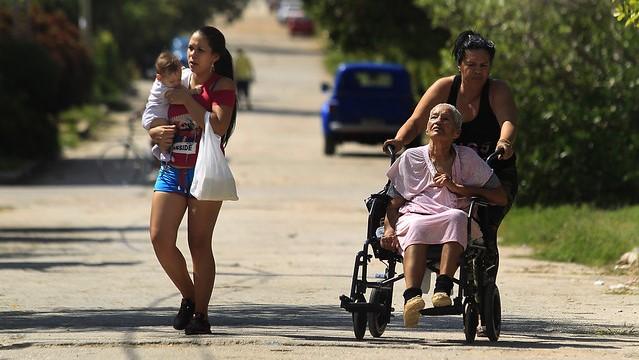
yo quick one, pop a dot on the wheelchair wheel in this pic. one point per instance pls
(492, 312)
(359, 319)
(471, 320)
(377, 321)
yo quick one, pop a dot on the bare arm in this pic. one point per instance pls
(389, 240)
(416, 123)
(220, 118)
(163, 136)
(220, 115)
(503, 105)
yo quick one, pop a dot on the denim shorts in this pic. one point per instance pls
(174, 180)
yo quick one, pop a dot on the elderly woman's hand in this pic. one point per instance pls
(441, 179)
(163, 136)
(178, 95)
(389, 241)
(397, 144)
(508, 149)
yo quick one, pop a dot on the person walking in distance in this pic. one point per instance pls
(244, 76)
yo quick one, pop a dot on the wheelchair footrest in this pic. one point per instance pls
(351, 306)
(444, 310)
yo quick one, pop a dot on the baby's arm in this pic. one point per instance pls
(157, 105)
(156, 151)
(158, 122)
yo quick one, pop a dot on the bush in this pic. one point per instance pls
(111, 75)
(61, 38)
(28, 131)
(46, 68)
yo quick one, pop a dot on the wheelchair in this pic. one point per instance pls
(477, 294)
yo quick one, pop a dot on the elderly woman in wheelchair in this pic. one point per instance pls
(431, 188)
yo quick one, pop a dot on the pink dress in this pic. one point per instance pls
(432, 215)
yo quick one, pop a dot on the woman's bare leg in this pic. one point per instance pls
(202, 219)
(167, 211)
(414, 265)
(451, 253)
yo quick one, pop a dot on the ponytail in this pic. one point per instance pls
(223, 66)
(471, 40)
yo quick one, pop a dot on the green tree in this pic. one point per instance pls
(142, 28)
(573, 70)
(362, 30)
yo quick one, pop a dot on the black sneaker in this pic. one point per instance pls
(199, 325)
(184, 315)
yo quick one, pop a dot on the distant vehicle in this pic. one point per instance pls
(179, 46)
(368, 104)
(288, 9)
(300, 25)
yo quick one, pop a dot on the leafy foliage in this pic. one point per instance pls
(627, 11)
(401, 31)
(46, 68)
(142, 28)
(361, 30)
(27, 131)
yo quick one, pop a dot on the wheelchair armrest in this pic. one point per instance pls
(479, 201)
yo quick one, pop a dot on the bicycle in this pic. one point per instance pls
(124, 163)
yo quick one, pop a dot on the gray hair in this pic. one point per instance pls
(457, 116)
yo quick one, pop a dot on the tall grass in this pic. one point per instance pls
(580, 234)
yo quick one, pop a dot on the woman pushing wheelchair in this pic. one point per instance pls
(490, 121)
(431, 185)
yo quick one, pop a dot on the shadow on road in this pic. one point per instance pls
(60, 241)
(87, 171)
(47, 265)
(302, 322)
(73, 229)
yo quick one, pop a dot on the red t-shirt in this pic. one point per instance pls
(187, 137)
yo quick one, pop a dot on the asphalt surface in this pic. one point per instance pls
(78, 277)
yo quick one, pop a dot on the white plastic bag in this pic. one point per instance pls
(212, 177)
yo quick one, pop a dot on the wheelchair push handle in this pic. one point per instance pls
(390, 149)
(494, 156)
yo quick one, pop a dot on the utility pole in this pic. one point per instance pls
(85, 23)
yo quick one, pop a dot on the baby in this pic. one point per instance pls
(169, 72)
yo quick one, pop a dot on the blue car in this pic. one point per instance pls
(368, 104)
(179, 46)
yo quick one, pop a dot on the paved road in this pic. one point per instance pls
(78, 278)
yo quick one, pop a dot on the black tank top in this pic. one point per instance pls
(482, 132)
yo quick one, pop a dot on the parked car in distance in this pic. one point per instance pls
(300, 25)
(179, 46)
(368, 103)
(289, 9)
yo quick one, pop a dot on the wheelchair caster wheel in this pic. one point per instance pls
(359, 319)
(471, 320)
(492, 312)
(377, 321)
